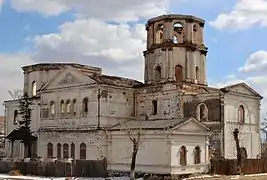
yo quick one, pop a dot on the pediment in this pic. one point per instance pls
(68, 77)
(192, 125)
(242, 88)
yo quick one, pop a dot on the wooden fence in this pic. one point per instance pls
(228, 166)
(79, 168)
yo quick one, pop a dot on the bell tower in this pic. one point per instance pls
(175, 50)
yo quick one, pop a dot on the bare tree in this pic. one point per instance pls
(15, 94)
(134, 133)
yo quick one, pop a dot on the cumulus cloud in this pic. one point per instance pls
(116, 10)
(11, 74)
(257, 62)
(245, 14)
(95, 42)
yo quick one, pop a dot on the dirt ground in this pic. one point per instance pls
(245, 177)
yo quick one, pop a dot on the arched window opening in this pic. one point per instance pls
(195, 28)
(15, 120)
(72, 150)
(68, 106)
(62, 108)
(178, 27)
(241, 114)
(197, 155)
(65, 151)
(34, 88)
(159, 34)
(52, 108)
(183, 156)
(158, 73)
(175, 39)
(74, 107)
(82, 151)
(202, 112)
(177, 33)
(85, 105)
(49, 150)
(58, 150)
(154, 107)
(179, 73)
(197, 73)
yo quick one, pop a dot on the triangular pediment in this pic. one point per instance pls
(68, 77)
(242, 88)
(192, 125)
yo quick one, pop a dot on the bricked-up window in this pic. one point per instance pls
(65, 151)
(52, 108)
(49, 150)
(158, 73)
(34, 88)
(241, 114)
(85, 105)
(179, 73)
(74, 107)
(154, 107)
(68, 106)
(72, 150)
(58, 150)
(183, 156)
(197, 155)
(82, 151)
(15, 120)
(62, 108)
(197, 73)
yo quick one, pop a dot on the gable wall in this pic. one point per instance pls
(249, 132)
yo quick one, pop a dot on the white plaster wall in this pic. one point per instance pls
(153, 156)
(249, 132)
(190, 142)
(96, 146)
(117, 106)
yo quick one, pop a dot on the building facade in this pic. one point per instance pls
(78, 112)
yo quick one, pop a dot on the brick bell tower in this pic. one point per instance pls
(175, 50)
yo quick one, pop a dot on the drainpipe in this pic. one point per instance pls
(98, 109)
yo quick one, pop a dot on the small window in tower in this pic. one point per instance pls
(175, 39)
(159, 34)
(34, 88)
(202, 112)
(158, 73)
(197, 73)
(177, 33)
(178, 27)
(154, 107)
(179, 73)
(195, 28)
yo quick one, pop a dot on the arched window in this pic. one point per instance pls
(195, 28)
(49, 150)
(65, 151)
(202, 112)
(15, 120)
(62, 108)
(241, 114)
(82, 151)
(197, 73)
(85, 105)
(179, 73)
(197, 155)
(74, 107)
(72, 150)
(159, 34)
(58, 150)
(158, 73)
(68, 106)
(177, 33)
(183, 156)
(154, 107)
(34, 88)
(52, 108)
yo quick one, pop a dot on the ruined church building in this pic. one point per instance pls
(72, 100)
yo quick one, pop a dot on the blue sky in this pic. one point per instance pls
(51, 31)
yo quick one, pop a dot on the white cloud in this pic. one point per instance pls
(117, 10)
(1, 3)
(257, 62)
(97, 43)
(11, 74)
(244, 14)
